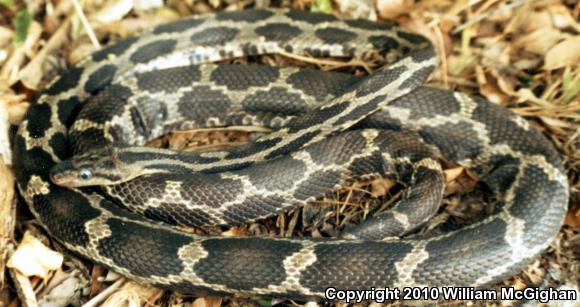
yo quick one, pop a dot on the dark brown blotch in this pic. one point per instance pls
(115, 49)
(214, 36)
(369, 263)
(39, 120)
(69, 80)
(412, 37)
(362, 110)
(379, 80)
(309, 17)
(237, 77)
(154, 250)
(279, 32)
(203, 102)
(246, 15)
(100, 78)
(369, 25)
(384, 44)
(276, 99)
(153, 50)
(331, 35)
(169, 80)
(68, 110)
(178, 26)
(247, 263)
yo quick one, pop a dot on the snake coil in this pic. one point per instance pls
(156, 79)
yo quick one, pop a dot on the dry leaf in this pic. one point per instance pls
(80, 51)
(561, 17)
(66, 293)
(452, 173)
(457, 64)
(458, 180)
(537, 20)
(489, 88)
(32, 258)
(505, 83)
(358, 9)
(525, 94)
(208, 301)
(133, 294)
(563, 54)
(15, 106)
(11, 68)
(523, 63)
(31, 75)
(496, 54)
(539, 41)
(389, 9)
(113, 11)
(380, 187)
(6, 36)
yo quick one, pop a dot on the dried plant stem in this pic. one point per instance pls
(86, 24)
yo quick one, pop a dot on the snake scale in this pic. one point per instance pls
(329, 129)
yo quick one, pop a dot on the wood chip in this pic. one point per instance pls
(32, 258)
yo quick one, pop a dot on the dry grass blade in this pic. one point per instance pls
(86, 24)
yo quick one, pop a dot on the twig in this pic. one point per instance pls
(24, 289)
(441, 50)
(86, 24)
(490, 13)
(7, 216)
(99, 298)
(5, 150)
(332, 63)
(229, 128)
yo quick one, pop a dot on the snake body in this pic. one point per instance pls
(156, 70)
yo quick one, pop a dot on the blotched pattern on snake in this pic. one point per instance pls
(329, 129)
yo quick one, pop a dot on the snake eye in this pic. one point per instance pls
(85, 174)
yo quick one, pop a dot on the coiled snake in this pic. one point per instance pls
(144, 86)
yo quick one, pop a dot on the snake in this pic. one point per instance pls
(88, 126)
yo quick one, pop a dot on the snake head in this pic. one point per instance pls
(95, 168)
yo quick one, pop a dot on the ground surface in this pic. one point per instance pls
(523, 55)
